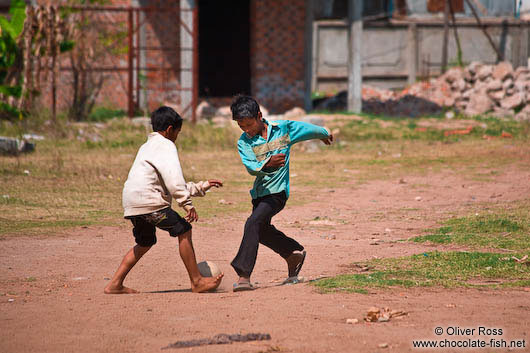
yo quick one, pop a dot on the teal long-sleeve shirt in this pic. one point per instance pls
(255, 152)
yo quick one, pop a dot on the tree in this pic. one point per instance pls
(31, 42)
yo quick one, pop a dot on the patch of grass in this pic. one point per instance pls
(370, 127)
(446, 269)
(508, 230)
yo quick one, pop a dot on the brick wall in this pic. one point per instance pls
(160, 55)
(162, 32)
(277, 53)
(114, 90)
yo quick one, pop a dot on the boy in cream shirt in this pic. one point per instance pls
(154, 179)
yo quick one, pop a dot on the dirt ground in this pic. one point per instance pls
(54, 299)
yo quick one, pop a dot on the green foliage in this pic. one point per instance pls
(10, 53)
(104, 113)
(66, 45)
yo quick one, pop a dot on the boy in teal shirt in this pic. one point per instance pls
(264, 148)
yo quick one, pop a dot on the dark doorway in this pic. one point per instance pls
(224, 48)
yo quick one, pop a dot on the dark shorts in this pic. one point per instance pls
(145, 225)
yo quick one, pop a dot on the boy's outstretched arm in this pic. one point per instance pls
(199, 189)
(302, 131)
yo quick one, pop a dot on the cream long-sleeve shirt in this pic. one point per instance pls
(156, 177)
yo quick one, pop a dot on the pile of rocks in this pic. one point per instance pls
(497, 90)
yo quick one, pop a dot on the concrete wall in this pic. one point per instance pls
(393, 51)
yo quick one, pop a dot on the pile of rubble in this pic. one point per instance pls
(496, 90)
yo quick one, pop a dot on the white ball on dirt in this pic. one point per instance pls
(209, 269)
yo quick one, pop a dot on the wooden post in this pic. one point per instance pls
(523, 54)
(499, 54)
(308, 55)
(412, 60)
(186, 57)
(130, 105)
(457, 39)
(446, 36)
(355, 80)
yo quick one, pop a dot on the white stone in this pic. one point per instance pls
(223, 111)
(474, 67)
(521, 70)
(513, 102)
(484, 72)
(204, 110)
(500, 113)
(479, 103)
(494, 85)
(497, 95)
(454, 74)
(502, 70)
(459, 85)
(507, 84)
(294, 113)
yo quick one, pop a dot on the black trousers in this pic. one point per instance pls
(258, 229)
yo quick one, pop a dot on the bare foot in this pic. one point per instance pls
(294, 263)
(111, 289)
(206, 284)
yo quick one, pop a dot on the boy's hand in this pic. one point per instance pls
(277, 160)
(328, 140)
(192, 215)
(215, 182)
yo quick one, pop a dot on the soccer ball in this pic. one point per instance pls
(208, 269)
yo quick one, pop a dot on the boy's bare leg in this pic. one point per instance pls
(199, 283)
(129, 260)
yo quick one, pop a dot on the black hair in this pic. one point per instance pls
(244, 107)
(164, 117)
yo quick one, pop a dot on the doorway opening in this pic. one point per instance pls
(224, 48)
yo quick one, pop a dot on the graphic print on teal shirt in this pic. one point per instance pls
(255, 152)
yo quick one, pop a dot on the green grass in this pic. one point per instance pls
(509, 229)
(434, 269)
(369, 127)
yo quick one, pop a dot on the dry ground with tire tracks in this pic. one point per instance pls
(52, 284)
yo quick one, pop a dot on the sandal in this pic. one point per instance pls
(291, 280)
(241, 287)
